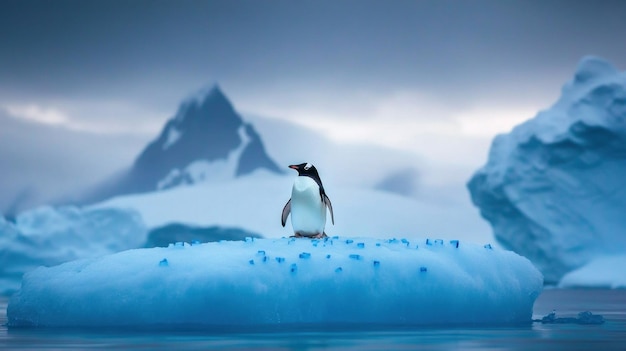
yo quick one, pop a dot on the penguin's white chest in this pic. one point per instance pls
(308, 212)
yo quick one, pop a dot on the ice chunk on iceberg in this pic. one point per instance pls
(302, 281)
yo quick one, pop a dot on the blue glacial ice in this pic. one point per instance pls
(553, 188)
(279, 282)
(50, 236)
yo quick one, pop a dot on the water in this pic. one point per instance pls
(609, 336)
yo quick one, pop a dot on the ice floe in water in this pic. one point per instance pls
(273, 282)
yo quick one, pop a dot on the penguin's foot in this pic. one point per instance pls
(310, 236)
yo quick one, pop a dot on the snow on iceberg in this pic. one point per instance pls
(553, 188)
(49, 236)
(280, 282)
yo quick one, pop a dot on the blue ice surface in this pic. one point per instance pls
(274, 282)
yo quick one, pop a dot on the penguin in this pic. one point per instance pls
(308, 204)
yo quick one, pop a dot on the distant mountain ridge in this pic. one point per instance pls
(205, 140)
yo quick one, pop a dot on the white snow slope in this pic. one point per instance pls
(554, 188)
(254, 203)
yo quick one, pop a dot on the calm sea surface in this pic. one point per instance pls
(609, 336)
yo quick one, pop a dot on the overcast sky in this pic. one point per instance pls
(434, 78)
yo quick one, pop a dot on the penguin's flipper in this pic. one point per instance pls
(286, 211)
(330, 208)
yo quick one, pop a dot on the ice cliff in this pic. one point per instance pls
(554, 188)
(49, 236)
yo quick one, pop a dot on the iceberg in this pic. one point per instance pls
(50, 236)
(553, 188)
(283, 282)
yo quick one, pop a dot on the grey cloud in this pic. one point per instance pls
(39, 162)
(458, 48)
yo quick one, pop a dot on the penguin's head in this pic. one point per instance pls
(305, 169)
(308, 170)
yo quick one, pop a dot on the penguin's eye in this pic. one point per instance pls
(307, 166)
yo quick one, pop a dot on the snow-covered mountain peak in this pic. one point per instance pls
(211, 92)
(208, 109)
(208, 98)
(205, 140)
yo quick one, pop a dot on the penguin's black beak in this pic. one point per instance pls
(294, 167)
